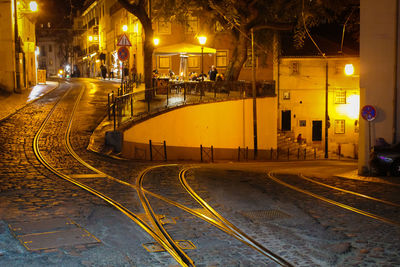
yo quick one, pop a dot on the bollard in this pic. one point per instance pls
(298, 153)
(151, 151)
(247, 153)
(239, 153)
(288, 153)
(272, 151)
(131, 105)
(165, 151)
(340, 150)
(315, 153)
(201, 153)
(212, 154)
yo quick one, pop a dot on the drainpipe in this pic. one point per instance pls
(17, 88)
(396, 69)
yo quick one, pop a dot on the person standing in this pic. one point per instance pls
(103, 70)
(213, 73)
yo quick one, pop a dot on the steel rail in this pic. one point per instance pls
(153, 218)
(348, 191)
(229, 226)
(109, 200)
(344, 206)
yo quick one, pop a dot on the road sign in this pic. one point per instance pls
(123, 53)
(368, 112)
(124, 41)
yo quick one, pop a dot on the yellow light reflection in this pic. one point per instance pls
(351, 109)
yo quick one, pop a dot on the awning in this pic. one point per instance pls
(183, 48)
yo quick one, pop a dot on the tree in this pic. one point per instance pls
(241, 16)
(141, 11)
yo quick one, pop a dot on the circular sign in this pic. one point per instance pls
(123, 53)
(368, 112)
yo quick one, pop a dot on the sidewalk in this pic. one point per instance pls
(10, 103)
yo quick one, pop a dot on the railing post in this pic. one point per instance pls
(288, 153)
(277, 153)
(212, 154)
(315, 153)
(109, 107)
(201, 153)
(131, 105)
(239, 153)
(165, 150)
(305, 153)
(215, 92)
(340, 150)
(151, 151)
(184, 93)
(298, 153)
(115, 115)
(167, 94)
(247, 153)
(272, 151)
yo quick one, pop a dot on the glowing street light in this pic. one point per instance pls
(202, 41)
(156, 41)
(90, 38)
(125, 28)
(349, 69)
(33, 6)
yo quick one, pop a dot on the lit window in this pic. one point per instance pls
(164, 27)
(191, 25)
(340, 97)
(222, 60)
(194, 62)
(339, 126)
(164, 62)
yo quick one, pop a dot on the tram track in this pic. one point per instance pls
(271, 175)
(155, 229)
(131, 215)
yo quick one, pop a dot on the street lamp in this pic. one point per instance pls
(349, 69)
(202, 41)
(125, 28)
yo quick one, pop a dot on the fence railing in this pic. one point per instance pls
(129, 103)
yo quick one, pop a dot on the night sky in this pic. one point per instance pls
(57, 12)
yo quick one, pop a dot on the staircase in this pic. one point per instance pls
(288, 148)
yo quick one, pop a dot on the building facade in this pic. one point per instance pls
(101, 25)
(303, 87)
(379, 83)
(17, 45)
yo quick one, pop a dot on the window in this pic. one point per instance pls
(339, 126)
(340, 97)
(248, 63)
(294, 68)
(50, 48)
(164, 62)
(222, 59)
(191, 25)
(164, 27)
(194, 62)
(286, 95)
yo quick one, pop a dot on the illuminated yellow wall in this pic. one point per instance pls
(222, 125)
(303, 93)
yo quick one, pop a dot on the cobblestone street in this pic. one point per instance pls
(116, 205)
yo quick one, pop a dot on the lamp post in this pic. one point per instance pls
(202, 41)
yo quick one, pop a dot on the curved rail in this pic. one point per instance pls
(344, 206)
(349, 192)
(229, 226)
(68, 178)
(152, 216)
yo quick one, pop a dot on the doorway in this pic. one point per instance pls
(317, 130)
(286, 120)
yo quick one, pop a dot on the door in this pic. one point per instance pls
(286, 120)
(317, 130)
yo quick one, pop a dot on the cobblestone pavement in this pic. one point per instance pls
(301, 229)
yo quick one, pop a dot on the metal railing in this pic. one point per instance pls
(129, 103)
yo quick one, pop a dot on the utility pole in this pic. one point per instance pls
(253, 62)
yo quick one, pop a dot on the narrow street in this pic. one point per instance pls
(62, 205)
